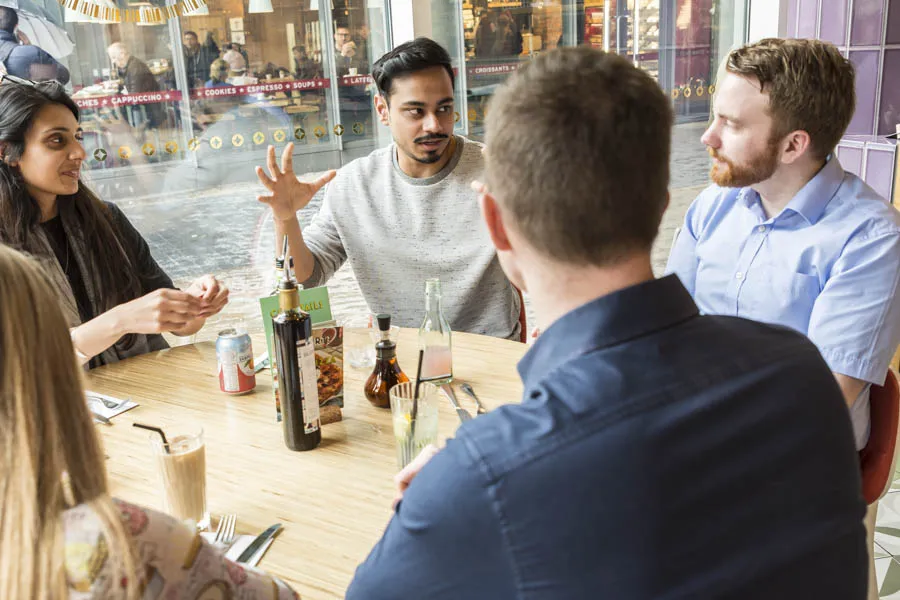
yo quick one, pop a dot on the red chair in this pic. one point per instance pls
(878, 458)
(523, 335)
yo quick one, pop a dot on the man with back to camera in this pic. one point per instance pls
(404, 213)
(656, 453)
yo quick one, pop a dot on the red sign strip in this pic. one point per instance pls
(231, 91)
(354, 80)
(497, 69)
(128, 99)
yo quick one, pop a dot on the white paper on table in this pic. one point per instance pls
(101, 409)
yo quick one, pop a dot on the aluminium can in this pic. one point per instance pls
(234, 352)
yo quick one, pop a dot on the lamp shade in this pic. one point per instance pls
(72, 16)
(260, 6)
(203, 10)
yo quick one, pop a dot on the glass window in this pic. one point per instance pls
(679, 43)
(177, 115)
(122, 78)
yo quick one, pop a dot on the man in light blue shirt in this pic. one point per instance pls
(785, 236)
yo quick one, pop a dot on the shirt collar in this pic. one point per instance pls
(622, 316)
(811, 200)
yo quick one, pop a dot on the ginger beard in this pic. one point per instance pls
(726, 173)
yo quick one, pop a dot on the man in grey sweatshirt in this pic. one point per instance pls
(404, 213)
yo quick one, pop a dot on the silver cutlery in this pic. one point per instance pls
(463, 414)
(257, 544)
(107, 402)
(468, 389)
(100, 419)
(225, 531)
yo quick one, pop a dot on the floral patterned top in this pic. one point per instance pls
(179, 563)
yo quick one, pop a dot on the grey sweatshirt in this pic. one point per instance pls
(398, 231)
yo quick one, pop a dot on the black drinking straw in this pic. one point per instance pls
(415, 408)
(157, 430)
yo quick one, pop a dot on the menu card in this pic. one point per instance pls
(329, 341)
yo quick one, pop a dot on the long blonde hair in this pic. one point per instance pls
(50, 456)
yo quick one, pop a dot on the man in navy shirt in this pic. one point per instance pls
(656, 453)
(24, 60)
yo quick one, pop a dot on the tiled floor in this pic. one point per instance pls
(887, 543)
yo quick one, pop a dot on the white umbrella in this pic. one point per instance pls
(45, 35)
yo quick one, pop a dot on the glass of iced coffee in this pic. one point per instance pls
(182, 472)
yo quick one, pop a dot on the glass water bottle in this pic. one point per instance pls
(434, 338)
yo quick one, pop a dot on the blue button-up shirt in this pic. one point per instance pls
(827, 266)
(655, 454)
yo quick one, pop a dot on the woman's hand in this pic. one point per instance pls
(212, 293)
(161, 310)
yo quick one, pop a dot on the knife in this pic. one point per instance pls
(468, 389)
(100, 418)
(463, 414)
(254, 560)
(258, 543)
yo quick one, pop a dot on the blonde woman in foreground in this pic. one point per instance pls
(61, 535)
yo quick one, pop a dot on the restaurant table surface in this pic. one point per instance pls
(334, 501)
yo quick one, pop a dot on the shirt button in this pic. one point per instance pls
(738, 275)
(761, 229)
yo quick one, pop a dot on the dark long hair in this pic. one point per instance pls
(20, 214)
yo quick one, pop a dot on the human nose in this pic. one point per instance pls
(78, 151)
(710, 137)
(431, 122)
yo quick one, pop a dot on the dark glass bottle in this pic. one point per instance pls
(387, 372)
(295, 359)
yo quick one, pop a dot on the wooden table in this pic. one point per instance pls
(334, 501)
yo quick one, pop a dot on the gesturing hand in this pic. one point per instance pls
(289, 194)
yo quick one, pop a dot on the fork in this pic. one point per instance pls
(225, 531)
(105, 401)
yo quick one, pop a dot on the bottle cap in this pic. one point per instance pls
(384, 322)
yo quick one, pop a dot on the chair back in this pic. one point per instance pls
(523, 325)
(877, 460)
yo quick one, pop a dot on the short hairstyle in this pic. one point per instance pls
(420, 54)
(9, 19)
(578, 155)
(117, 48)
(810, 87)
(235, 61)
(193, 33)
(219, 68)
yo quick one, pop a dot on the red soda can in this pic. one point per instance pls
(234, 352)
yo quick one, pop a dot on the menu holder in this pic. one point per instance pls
(329, 344)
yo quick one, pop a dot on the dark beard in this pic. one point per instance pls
(433, 156)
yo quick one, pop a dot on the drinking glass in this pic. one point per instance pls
(414, 432)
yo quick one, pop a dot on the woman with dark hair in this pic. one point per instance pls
(115, 297)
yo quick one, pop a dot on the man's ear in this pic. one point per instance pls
(383, 110)
(493, 218)
(795, 144)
